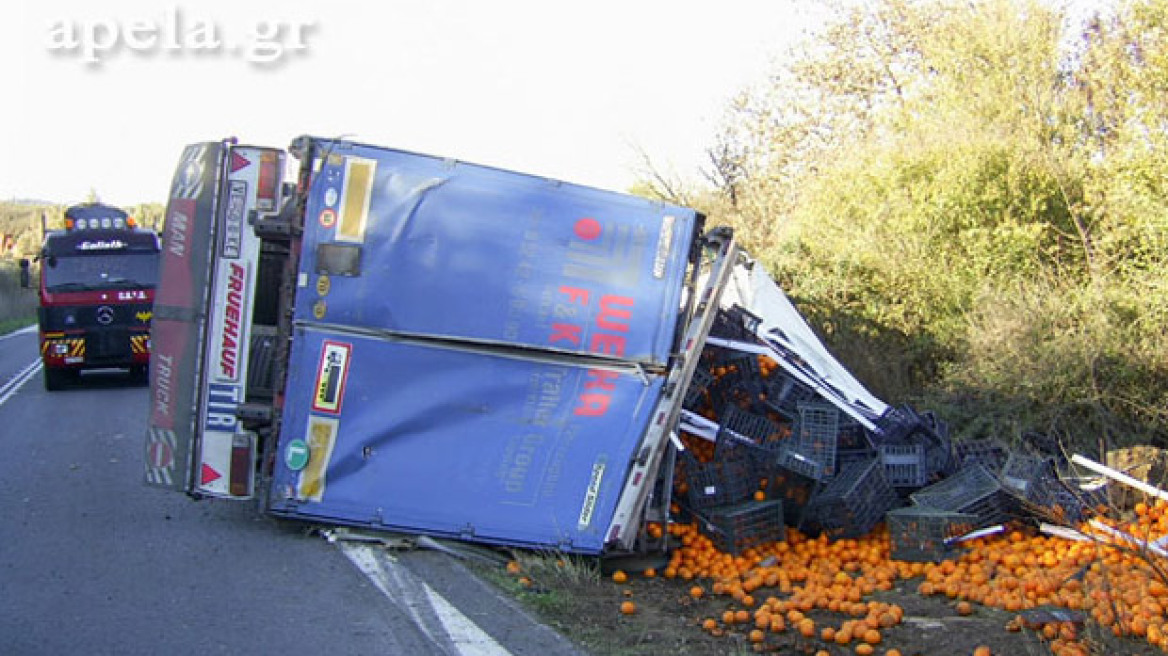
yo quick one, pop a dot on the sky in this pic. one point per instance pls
(103, 96)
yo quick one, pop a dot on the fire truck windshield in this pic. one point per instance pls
(82, 271)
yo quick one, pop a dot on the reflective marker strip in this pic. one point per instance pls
(359, 174)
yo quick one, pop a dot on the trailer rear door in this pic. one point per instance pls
(477, 353)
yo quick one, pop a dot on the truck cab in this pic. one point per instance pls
(95, 291)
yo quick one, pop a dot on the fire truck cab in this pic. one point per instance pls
(96, 292)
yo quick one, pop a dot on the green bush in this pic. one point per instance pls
(17, 305)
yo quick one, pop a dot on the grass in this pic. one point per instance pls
(17, 305)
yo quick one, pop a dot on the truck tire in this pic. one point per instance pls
(57, 379)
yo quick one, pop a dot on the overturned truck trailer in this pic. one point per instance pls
(353, 335)
(408, 343)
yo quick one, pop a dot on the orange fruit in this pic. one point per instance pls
(628, 608)
(619, 576)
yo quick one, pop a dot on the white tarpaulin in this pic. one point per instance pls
(792, 343)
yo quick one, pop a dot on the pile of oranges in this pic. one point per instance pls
(1120, 584)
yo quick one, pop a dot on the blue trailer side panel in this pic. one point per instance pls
(448, 442)
(416, 244)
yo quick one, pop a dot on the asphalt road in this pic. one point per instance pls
(92, 561)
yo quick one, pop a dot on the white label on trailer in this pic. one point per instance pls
(232, 236)
(592, 495)
(331, 373)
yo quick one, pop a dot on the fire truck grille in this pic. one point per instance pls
(109, 345)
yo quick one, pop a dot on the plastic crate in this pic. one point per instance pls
(696, 393)
(761, 431)
(990, 453)
(735, 323)
(853, 503)
(734, 529)
(791, 459)
(845, 457)
(971, 490)
(1031, 478)
(817, 434)
(718, 483)
(794, 490)
(904, 464)
(923, 534)
(939, 460)
(853, 436)
(784, 394)
(733, 448)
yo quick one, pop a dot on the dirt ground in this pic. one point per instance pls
(584, 605)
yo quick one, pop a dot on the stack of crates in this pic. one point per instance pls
(921, 534)
(734, 529)
(972, 490)
(853, 503)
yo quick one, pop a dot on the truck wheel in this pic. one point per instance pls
(56, 379)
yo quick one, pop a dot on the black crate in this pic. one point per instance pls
(904, 464)
(989, 452)
(794, 490)
(734, 529)
(971, 490)
(735, 323)
(939, 460)
(784, 393)
(853, 503)
(792, 459)
(1029, 477)
(923, 534)
(763, 432)
(817, 433)
(697, 394)
(845, 457)
(720, 482)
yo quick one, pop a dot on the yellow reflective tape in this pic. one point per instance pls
(359, 174)
(322, 435)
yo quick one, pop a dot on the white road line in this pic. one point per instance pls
(22, 331)
(17, 381)
(444, 624)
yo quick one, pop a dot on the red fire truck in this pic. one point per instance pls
(96, 291)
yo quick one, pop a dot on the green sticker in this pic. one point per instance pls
(296, 455)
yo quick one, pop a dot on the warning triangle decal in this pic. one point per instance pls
(210, 475)
(238, 161)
